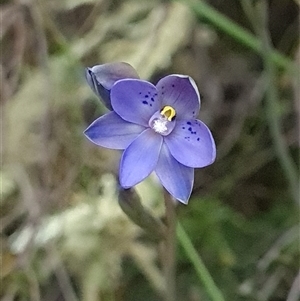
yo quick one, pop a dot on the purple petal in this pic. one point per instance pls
(135, 100)
(112, 131)
(98, 89)
(181, 93)
(102, 77)
(140, 158)
(192, 144)
(108, 74)
(175, 177)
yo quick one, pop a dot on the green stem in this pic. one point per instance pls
(203, 274)
(131, 205)
(241, 35)
(169, 254)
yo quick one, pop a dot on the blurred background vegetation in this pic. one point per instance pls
(63, 235)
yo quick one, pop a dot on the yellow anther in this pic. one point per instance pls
(168, 112)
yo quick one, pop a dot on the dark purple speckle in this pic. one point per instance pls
(146, 96)
(145, 102)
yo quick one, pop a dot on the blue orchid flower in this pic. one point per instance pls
(155, 126)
